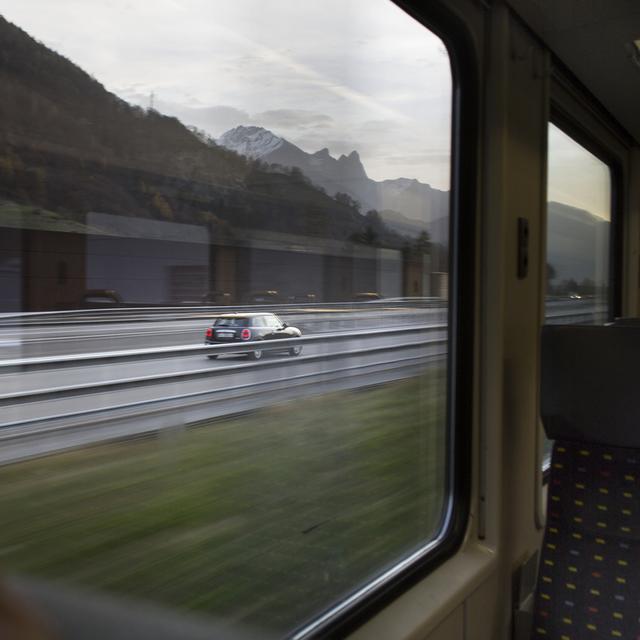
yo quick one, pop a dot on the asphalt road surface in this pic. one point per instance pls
(65, 336)
(75, 406)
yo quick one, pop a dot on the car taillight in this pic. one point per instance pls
(245, 334)
(209, 333)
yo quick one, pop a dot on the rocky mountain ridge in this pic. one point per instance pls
(407, 205)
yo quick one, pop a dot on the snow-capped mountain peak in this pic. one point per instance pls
(253, 142)
(408, 205)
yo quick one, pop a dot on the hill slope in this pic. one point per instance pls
(67, 145)
(578, 244)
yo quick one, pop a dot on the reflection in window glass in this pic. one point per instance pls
(578, 228)
(165, 179)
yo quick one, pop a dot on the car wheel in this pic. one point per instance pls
(212, 357)
(255, 355)
(295, 351)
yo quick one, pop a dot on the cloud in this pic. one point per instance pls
(381, 130)
(292, 119)
(216, 119)
(314, 79)
(439, 157)
(380, 84)
(376, 125)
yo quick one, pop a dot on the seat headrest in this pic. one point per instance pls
(590, 386)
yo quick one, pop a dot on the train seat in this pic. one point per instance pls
(588, 580)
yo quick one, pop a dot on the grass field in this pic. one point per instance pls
(265, 518)
(21, 216)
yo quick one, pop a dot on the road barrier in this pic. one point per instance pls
(241, 387)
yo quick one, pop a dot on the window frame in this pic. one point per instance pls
(572, 127)
(581, 116)
(368, 600)
(464, 169)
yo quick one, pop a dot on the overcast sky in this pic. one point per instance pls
(342, 74)
(576, 177)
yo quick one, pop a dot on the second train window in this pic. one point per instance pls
(578, 233)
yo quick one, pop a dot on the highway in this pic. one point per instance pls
(68, 380)
(41, 335)
(56, 405)
(66, 333)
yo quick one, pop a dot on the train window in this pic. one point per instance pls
(578, 232)
(578, 237)
(196, 165)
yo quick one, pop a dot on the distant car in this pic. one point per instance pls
(215, 297)
(302, 297)
(100, 298)
(252, 327)
(366, 296)
(263, 297)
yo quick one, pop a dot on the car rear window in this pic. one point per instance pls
(231, 322)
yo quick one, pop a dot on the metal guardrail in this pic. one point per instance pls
(19, 365)
(40, 363)
(76, 390)
(235, 391)
(167, 313)
(86, 338)
(155, 314)
(44, 434)
(37, 317)
(593, 316)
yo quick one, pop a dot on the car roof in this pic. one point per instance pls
(251, 314)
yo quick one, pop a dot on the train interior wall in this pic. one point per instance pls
(475, 594)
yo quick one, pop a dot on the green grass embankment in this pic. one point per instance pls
(265, 518)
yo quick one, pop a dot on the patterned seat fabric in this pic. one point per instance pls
(589, 576)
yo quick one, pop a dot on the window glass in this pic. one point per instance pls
(231, 322)
(578, 232)
(186, 159)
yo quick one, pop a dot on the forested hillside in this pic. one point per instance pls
(69, 146)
